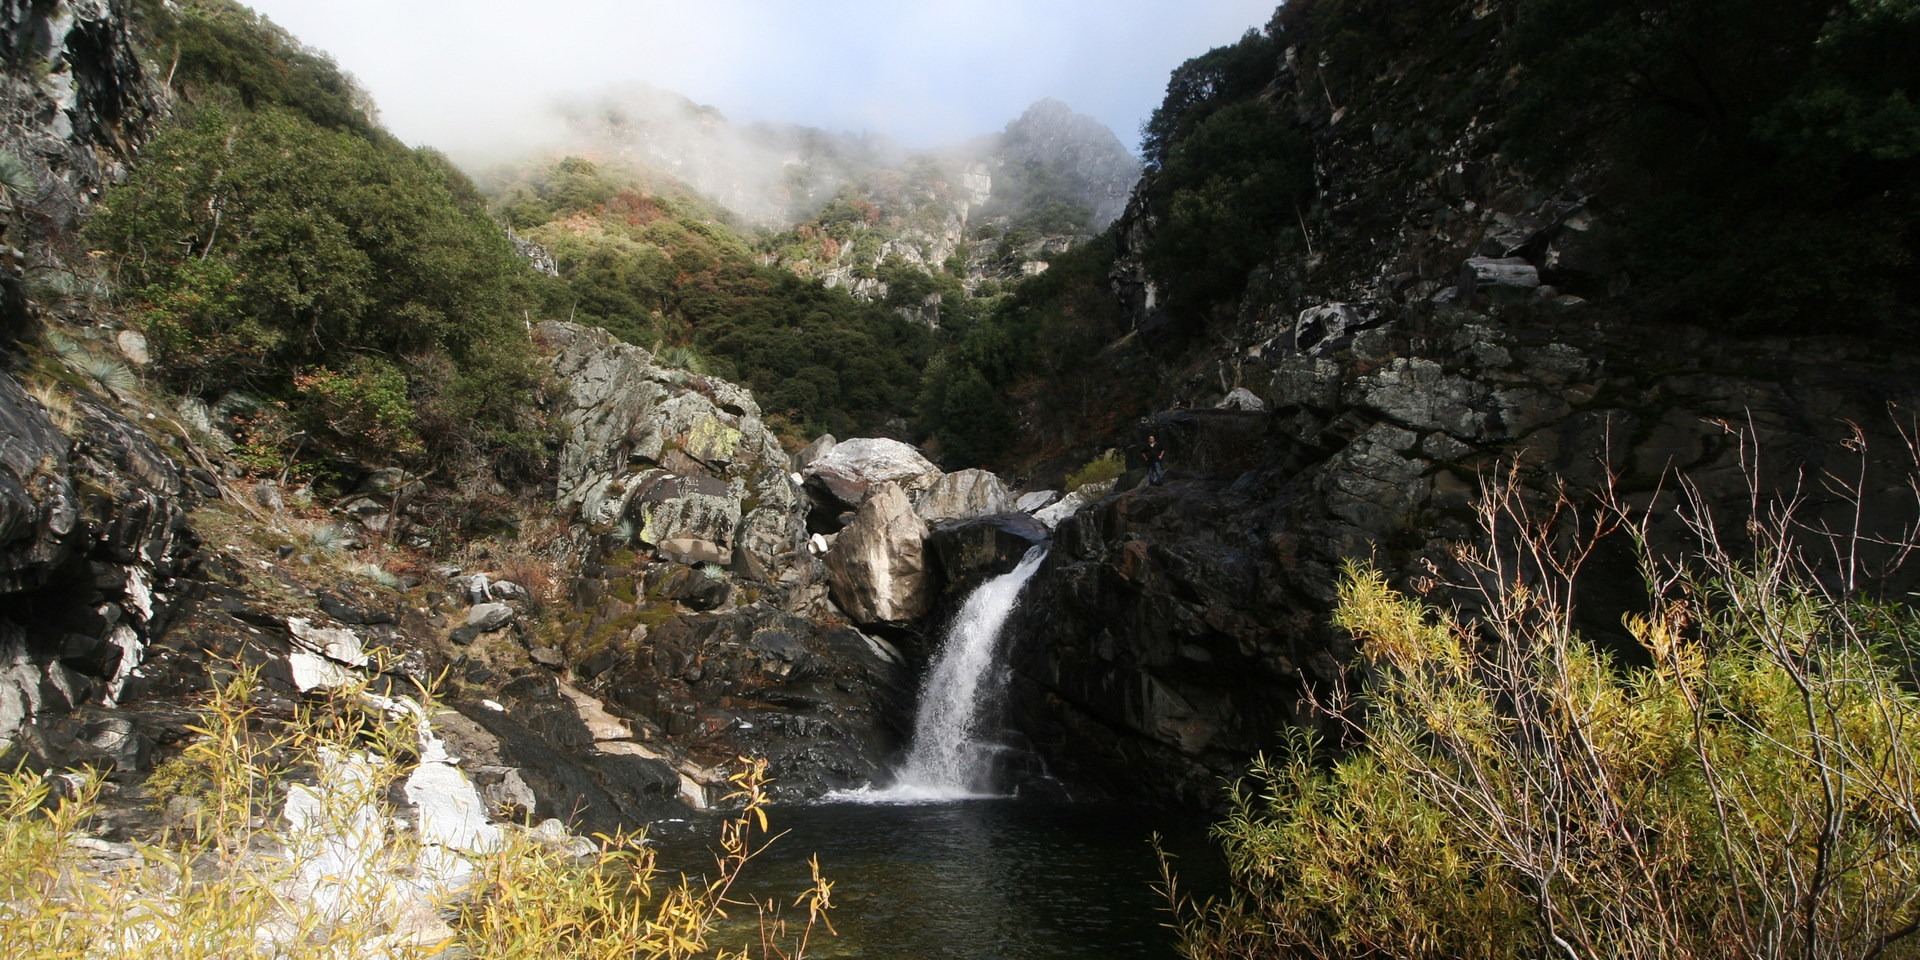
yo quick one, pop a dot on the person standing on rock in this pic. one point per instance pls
(1156, 456)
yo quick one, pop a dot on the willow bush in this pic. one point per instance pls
(1746, 789)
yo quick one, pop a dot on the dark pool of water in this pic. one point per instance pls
(985, 879)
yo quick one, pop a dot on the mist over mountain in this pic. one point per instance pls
(779, 175)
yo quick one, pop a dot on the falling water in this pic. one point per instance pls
(948, 759)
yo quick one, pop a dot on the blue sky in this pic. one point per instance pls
(473, 76)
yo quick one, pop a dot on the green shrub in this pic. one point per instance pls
(1105, 467)
(1516, 792)
(259, 248)
(366, 406)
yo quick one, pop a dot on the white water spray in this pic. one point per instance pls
(949, 760)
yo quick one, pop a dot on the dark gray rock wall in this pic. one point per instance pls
(96, 555)
(1174, 630)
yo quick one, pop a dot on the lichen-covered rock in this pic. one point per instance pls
(877, 568)
(674, 455)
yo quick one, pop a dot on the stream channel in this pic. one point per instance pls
(941, 863)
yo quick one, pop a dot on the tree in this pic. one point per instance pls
(1761, 158)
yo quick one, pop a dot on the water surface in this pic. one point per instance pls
(973, 880)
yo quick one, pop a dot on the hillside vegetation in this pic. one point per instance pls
(275, 242)
(296, 266)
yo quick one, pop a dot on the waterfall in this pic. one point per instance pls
(948, 759)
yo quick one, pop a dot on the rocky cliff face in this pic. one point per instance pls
(1174, 630)
(77, 105)
(1349, 405)
(1004, 205)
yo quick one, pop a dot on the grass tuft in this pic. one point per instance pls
(283, 848)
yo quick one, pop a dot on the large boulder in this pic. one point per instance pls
(963, 494)
(853, 468)
(877, 568)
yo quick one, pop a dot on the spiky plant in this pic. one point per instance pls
(18, 182)
(65, 348)
(329, 538)
(376, 573)
(113, 376)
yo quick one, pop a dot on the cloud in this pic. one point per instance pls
(465, 75)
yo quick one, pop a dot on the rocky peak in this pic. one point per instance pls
(1088, 162)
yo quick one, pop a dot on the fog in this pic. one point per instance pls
(486, 79)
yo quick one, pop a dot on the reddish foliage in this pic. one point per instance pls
(637, 209)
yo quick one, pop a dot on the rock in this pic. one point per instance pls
(961, 495)
(39, 510)
(390, 482)
(1501, 273)
(308, 673)
(1316, 328)
(1052, 516)
(689, 550)
(1031, 502)
(448, 810)
(547, 657)
(508, 590)
(694, 587)
(505, 793)
(877, 568)
(1242, 399)
(690, 518)
(852, 468)
(337, 644)
(198, 418)
(820, 447)
(969, 552)
(133, 346)
(674, 454)
(350, 613)
(488, 617)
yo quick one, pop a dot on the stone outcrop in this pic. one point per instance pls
(966, 553)
(95, 555)
(842, 478)
(877, 568)
(824, 705)
(78, 105)
(662, 456)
